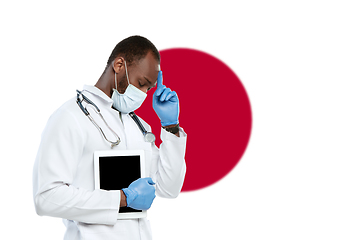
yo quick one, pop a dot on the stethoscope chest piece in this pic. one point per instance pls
(149, 137)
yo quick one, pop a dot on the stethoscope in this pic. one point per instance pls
(149, 136)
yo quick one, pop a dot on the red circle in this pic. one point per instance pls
(215, 113)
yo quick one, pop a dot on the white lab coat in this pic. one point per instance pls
(63, 177)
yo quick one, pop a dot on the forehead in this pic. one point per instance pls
(148, 67)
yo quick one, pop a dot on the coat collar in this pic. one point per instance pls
(97, 92)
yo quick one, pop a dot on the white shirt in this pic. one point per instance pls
(63, 178)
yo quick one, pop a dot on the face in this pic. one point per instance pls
(142, 74)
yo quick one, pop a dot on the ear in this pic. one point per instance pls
(118, 64)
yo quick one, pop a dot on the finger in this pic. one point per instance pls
(164, 94)
(170, 95)
(160, 90)
(159, 79)
(174, 98)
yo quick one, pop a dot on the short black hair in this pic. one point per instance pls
(132, 49)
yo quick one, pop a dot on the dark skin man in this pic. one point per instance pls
(142, 74)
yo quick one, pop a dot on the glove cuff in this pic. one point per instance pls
(169, 123)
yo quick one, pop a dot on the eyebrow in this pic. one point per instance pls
(150, 82)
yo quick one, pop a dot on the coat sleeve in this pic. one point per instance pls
(168, 165)
(55, 167)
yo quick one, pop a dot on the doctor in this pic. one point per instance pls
(63, 178)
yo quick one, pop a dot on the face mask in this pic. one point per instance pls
(130, 100)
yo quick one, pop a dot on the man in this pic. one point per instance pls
(63, 178)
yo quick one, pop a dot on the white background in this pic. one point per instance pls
(298, 60)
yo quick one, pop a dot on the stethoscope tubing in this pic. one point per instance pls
(149, 137)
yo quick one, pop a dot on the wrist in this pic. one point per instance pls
(173, 128)
(123, 202)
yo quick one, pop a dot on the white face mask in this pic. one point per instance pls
(130, 100)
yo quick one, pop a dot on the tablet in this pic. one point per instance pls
(115, 170)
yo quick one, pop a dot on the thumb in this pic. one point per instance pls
(150, 181)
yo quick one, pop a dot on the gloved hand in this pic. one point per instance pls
(140, 194)
(165, 103)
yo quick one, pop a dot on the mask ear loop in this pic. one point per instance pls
(127, 76)
(115, 76)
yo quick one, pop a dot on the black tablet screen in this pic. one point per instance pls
(117, 172)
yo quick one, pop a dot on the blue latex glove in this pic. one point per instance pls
(140, 194)
(165, 103)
